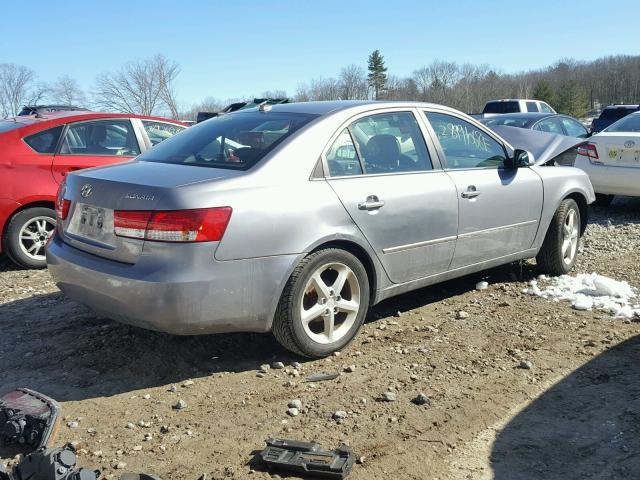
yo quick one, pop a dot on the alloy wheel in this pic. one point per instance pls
(330, 303)
(33, 236)
(570, 234)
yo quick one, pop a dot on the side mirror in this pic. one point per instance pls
(523, 158)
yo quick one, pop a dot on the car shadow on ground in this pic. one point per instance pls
(622, 210)
(585, 426)
(56, 346)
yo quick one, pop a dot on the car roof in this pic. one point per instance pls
(529, 117)
(74, 116)
(334, 106)
(515, 100)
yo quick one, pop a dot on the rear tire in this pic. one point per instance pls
(560, 247)
(323, 305)
(603, 200)
(26, 235)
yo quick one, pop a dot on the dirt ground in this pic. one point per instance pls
(574, 414)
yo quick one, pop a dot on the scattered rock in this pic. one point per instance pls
(388, 397)
(350, 368)
(462, 315)
(73, 424)
(293, 412)
(295, 404)
(164, 429)
(421, 399)
(130, 426)
(339, 415)
(188, 383)
(277, 365)
(525, 365)
(120, 466)
(482, 285)
(180, 404)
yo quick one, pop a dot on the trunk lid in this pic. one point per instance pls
(620, 149)
(96, 193)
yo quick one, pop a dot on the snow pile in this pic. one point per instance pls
(589, 291)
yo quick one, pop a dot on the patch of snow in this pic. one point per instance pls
(588, 291)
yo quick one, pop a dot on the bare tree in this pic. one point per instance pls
(274, 94)
(66, 91)
(143, 87)
(16, 88)
(353, 83)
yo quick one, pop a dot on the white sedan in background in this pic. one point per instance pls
(612, 160)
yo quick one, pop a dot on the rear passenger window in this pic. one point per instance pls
(464, 144)
(103, 137)
(391, 142)
(342, 158)
(549, 125)
(532, 107)
(159, 131)
(545, 108)
(46, 141)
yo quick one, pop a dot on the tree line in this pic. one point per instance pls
(148, 87)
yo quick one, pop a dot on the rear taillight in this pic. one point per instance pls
(589, 150)
(62, 204)
(196, 225)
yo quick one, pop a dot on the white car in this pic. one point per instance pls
(515, 105)
(612, 160)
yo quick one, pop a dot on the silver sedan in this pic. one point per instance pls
(297, 218)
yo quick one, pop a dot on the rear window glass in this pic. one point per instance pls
(616, 113)
(630, 123)
(234, 141)
(507, 121)
(501, 107)
(532, 107)
(6, 126)
(46, 141)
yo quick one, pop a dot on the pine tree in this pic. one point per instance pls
(544, 92)
(572, 99)
(377, 73)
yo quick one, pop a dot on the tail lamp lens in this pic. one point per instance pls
(62, 204)
(589, 150)
(195, 225)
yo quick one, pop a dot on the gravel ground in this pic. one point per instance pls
(516, 387)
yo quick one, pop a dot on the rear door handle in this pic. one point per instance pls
(371, 203)
(471, 192)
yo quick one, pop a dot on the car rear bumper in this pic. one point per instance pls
(612, 180)
(182, 291)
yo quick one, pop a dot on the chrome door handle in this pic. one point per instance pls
(471, 192)
(371, 203)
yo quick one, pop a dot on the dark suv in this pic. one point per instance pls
(612, 114)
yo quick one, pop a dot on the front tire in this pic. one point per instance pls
(27, 234)
(323, 305)
(560, 247)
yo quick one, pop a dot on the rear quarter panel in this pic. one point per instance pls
(558, 184)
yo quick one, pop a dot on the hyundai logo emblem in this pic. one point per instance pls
(629, 144)
(86, 190)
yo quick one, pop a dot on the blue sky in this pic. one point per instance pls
(241, 48)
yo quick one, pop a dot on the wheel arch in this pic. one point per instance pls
(583, 207)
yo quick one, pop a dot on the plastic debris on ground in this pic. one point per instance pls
(589, 291)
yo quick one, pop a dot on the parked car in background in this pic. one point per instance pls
(44, 109)
(296, 218)
(612, 160)
(612, 114)
(543, 122)
(202, 116)
(37, 152)
(516, 105)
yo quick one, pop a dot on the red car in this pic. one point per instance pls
(37, 151)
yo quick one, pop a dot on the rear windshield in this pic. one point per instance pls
(509, 122)
(630, 123)
(616, 113)
(501, 107)
(234, 141)
(5, 126)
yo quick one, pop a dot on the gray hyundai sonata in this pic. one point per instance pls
(296, 218)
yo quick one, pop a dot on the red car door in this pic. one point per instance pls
(93, 143)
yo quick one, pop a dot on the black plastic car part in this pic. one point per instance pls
(307, 459)
(50, 464)
(28, 418)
